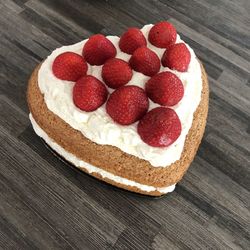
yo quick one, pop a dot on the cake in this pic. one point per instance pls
(128, 110)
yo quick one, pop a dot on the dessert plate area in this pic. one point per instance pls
(46, 203)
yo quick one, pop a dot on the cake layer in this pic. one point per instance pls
(104, 175)
(109, 158)
(98, 127)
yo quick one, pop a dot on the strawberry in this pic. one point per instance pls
(177, 57)
(98, 49)
(69, 66)
(145, 61)
(127, 104)
(131, 40)
(165, 88)
(160, 127)
(89, 93)
(162, 34)
(116, 73)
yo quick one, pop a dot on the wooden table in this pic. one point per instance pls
(47, 204)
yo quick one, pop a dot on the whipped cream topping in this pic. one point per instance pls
(99, 127)
(92, 169)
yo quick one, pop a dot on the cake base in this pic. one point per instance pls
(112, 159)
(86, 167)
(72, 166)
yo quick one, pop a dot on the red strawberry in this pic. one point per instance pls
(69, 66)
(177, 57)
(89, 93)
(132, 39)
(127, 104)
(98, 49)
(145, 61)
(160, 127)
(165, 88)
(116, 73)
(162, 34)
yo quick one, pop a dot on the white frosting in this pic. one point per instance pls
(92, 169)
(99, 127)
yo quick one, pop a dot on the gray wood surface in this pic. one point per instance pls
(47, 204)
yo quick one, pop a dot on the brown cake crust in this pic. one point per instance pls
(111, 158)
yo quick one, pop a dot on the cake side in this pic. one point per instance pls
(97, 172)
(111, 158)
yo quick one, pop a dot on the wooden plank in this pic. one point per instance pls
(12, 117)
(90, 223)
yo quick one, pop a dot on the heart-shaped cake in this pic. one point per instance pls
(128, 110)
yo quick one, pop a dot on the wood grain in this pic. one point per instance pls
(47, 204)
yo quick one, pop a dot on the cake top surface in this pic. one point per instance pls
(137, 92)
